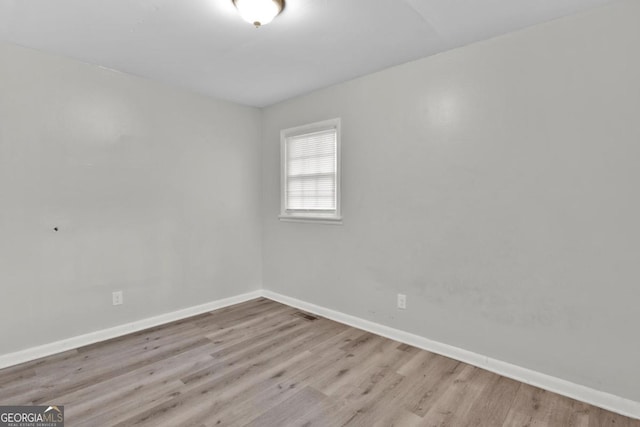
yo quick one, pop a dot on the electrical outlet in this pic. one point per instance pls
(117, 298)
(402, 301)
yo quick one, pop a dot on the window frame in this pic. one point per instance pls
(336, 216)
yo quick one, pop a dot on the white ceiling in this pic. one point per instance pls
(205, 46)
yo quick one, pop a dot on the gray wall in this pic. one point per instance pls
(156, 192)
(497, 186)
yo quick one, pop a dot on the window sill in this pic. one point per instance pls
(311, 219)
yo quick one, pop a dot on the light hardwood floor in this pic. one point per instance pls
(261, 363)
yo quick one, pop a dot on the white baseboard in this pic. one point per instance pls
(588, 395)
(33, 353)
(582, 393)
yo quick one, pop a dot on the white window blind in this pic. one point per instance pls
(310, 172)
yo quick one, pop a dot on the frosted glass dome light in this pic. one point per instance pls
(259, 12)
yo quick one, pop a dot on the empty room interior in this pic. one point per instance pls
(320, 213)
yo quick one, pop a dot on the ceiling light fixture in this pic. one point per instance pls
(259, 12)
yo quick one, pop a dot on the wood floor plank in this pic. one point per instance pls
(493, 404)
(602, 418)
(75, 376)
(226, 385)
(268, 352)
(291, 410)
(288, 380)
(261, 363)
(241, 330)
(436, 375)
(209, 397)
(259, 397)
(453, 406)
(327, 412)
(370, 399)
(80, 379)
(398, 417)
(532, 406)
(570, 413)
(101, 396)
(342, 373)
(118, 412)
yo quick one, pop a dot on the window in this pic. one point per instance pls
(311, 172)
